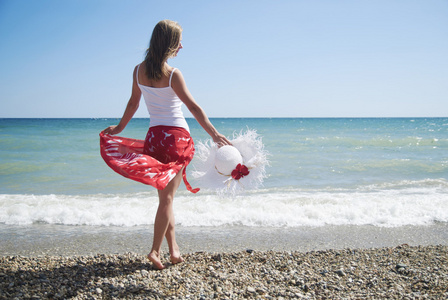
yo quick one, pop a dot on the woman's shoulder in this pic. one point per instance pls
(177, 77)
(176, 73)
(139, 66)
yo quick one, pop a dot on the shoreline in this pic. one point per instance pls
(62, 240)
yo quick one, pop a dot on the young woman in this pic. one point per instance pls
(168, 147)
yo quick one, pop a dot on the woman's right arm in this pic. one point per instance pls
(180, 88)
(130, 110)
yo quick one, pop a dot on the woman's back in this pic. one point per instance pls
(164, 106)
(144, 80)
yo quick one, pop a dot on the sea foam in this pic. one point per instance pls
(395, 204)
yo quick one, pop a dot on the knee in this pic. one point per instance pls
(166, 200)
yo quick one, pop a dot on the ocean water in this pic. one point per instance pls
(388, 172)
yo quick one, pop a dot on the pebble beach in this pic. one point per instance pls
(401, 272)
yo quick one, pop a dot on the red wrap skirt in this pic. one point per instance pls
(154, 161)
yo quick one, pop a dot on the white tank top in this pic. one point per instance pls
(164, 107)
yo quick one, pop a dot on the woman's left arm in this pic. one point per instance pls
(180, 88)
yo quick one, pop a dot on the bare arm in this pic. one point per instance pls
(131, 108)
(180, 88)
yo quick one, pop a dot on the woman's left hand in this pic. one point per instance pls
(221, 140)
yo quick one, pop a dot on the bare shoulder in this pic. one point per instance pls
(176, 72)
(177, 76)
(136, 70)
(140, 67)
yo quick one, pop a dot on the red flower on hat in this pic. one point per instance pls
(240, 171)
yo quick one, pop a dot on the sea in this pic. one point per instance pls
(380, 172)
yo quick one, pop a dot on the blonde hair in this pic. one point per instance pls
(164, 44)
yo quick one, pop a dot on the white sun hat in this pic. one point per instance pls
(231, 169)
(226, 159)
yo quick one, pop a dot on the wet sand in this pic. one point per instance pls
(41, 239)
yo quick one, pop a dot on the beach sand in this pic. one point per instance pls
(334, 262)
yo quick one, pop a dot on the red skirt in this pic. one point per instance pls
(154, 161)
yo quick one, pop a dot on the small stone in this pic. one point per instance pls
(340, 272)
(134, 289)
(251, 290)
(98, 291)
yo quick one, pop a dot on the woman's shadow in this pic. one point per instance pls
(119, 276)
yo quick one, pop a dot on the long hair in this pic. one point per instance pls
(164, 43)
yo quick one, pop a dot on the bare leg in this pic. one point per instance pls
(172, 244)
(165, 220)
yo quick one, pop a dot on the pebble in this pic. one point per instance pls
(403, 272)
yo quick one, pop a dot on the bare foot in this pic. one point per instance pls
(175, 256)
(155, 259)
(176, 259)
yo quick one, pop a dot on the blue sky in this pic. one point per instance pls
(353, 58)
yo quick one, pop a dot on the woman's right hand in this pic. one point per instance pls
(114, 129)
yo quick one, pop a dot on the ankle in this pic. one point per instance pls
(174, 249)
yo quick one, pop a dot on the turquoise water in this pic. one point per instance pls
(385, 172)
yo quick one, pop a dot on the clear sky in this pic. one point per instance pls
(298, 58)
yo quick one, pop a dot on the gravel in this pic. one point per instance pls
(402, 272)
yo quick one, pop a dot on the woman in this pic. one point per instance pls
(164, 90)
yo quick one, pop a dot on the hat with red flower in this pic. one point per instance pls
(231, 168)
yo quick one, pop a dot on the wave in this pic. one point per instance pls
(389, 204)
